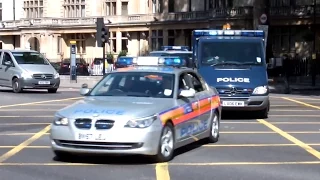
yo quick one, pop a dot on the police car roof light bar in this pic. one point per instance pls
(244, 33)
(157, 61)
(166, 48)
(125, 60)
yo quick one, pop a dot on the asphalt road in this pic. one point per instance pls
(285, 146)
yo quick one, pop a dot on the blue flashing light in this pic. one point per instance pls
(125, 60)
(171, 61)
(176, 48)
(244, 33)
(158, 61)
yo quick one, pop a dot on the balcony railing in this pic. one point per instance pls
(240, 12)
(294, 11)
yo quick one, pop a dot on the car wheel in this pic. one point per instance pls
(16, 86)
(264, 112)
(60, 155)
(214, 128)
(54, 90)
(166, 144)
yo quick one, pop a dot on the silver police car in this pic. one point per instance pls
(142, 110)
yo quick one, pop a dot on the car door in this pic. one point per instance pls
(186, 123)
(2, 68)
(204, 97)
(7, 70)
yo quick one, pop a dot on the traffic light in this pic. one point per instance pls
(102, 34)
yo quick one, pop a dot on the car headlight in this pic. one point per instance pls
(141, 122)
(61, 121)
(260, 90)
(56, 75)
(26, 75)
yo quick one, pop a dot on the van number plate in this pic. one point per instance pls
(44, 82)
(233, 103)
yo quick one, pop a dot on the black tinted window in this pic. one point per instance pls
(29, 58)
(233, 52)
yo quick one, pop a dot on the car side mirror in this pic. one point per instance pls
(84, 89)
(190, 93)
(8, 63)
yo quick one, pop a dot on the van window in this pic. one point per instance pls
(238, 52)
(29, 58)
(6, 57)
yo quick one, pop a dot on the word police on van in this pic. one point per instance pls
(246, 80)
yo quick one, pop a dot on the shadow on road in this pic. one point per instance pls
(28, 91)
(123, 159)
(141, 160)
(235, 116)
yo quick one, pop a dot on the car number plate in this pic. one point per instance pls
(44, 82)
(233, 103)
(90, 136)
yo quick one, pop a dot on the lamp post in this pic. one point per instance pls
(314, 53)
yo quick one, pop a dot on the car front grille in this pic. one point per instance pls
(86, 123)
(234, 91)
(83, 123)
(104, 124)
(43, 76)
(98, 145)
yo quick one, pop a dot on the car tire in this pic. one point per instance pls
(166, 144)
(16, 86)
(214, 128)
(263, 114)
(60, 155)
(53, 90)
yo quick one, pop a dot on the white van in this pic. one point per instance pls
(27, 69)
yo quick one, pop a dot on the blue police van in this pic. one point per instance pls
(233, 61)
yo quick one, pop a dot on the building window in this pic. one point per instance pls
(279, 3)
(124, 8)
(59, 45)
(157, 6)
(113, 42)
(81, 43)
(171, 6)
(283, 39)
(124, 42)
(74, 8)
(0, 11)
(111, 7)
(156, 39)
(171, 37)
(33, 8)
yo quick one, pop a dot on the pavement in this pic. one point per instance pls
(65, 81)
(284, 146)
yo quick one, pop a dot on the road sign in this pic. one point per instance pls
(263, 18)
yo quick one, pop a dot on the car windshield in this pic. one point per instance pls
(29, 58)
(136, 84)
(231, 53)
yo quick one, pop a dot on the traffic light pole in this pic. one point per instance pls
(102, 37)
(104, 58)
